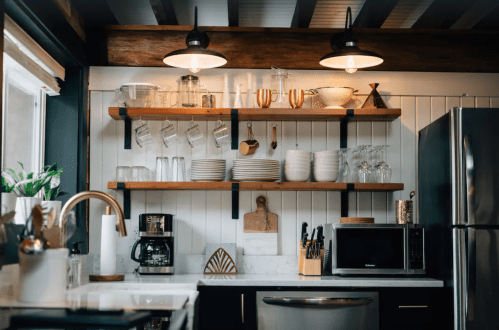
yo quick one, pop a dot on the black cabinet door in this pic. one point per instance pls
(415, 309)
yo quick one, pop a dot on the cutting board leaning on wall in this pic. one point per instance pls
(260, 230)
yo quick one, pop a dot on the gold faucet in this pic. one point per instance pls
(120, 217)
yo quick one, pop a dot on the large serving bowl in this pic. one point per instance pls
(334, 97)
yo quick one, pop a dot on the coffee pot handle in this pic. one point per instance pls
(141, 255)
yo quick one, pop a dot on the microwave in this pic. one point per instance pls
(374, 249)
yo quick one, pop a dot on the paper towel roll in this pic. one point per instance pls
(108, 245)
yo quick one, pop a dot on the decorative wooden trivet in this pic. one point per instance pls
(374, 100)
(220, 263)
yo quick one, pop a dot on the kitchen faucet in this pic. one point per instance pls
(120, 217)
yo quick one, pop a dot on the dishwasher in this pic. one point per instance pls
(300, 310)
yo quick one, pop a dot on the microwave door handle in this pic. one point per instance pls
(471, 232)
(317, 302)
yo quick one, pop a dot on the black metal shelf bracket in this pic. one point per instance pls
(128, 128)
(234, 127)
(344, 144)
(126, 199)
(235, 201)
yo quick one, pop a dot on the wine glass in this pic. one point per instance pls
(383, 171)
(344, 174)
(363, 171)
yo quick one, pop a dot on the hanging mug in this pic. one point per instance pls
(249, 146)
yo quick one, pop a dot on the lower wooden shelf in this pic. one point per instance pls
(227, 185)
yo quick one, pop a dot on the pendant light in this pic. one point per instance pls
(195, 57)
(346, 54)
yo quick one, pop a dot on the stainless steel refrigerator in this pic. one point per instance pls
(458, 174)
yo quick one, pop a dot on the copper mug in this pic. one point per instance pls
(296, 98)
(264, 97)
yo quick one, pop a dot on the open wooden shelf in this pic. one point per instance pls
(227, 185)
(256, 114)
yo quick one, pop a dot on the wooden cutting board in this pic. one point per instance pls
(254, 222)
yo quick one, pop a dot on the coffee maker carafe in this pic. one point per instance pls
(155, 244)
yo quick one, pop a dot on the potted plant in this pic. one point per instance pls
(8, 197)
(26, 186)
(52, 191)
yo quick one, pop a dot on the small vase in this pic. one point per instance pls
(8, 202)
(24, 205)
(48, 205)
(225, 94)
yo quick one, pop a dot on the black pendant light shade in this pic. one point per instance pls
(346, 54)
(195, 57)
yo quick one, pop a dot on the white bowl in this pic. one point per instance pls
(327, 159)
(297, 176)
(327, 165)
(327, 168)
(326, 153)
(325, 176)
(303, 153)
(297, 168)
(331, 156)
(335, 97)
(295, 162)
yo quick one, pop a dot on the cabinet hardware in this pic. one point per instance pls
(126, 199)
(128, 128)
(234, 129)
(242, 307)
(344, 144)
(235, 201)
(413, 306)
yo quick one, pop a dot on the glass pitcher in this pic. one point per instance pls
(137, 94)
(281, 83)
(189, 91)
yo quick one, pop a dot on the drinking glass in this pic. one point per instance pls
(142, 134)
(161, 168)
(178, 169)
(164, 97)
(169, 134)
(140, 173)
(344, 174)
(221, 134)
(383, 171)
(123, 173)
(363, 171)
(194, 135)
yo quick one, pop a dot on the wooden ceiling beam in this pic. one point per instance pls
(475, 14)
(169, 11)
(233, 12)
(441, 14)
(255, 48)
(374, 13)
(304, 11)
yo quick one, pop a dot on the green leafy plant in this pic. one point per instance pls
(51, 190)
(25, 184)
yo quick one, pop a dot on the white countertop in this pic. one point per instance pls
(155, 292)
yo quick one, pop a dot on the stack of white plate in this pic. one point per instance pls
(326, 165)
(208, 170)
(255, 170)
(297, 167)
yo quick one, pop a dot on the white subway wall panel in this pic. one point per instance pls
(202, 217)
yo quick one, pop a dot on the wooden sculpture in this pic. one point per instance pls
(220, 263)
(374, 100)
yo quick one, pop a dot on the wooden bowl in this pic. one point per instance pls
(356, 220)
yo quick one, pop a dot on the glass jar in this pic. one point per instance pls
(189, 91)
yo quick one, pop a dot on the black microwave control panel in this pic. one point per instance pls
(416, 249)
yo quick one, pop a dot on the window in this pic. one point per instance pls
(23, 118)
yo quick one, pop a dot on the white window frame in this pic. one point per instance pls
(16, 75)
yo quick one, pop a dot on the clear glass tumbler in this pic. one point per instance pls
(123, 173)
(140, 173)
(383, 171)
(344, 174)
(363, 171)
(178, 169)
(161, 168)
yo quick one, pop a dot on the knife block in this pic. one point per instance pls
(302, 260)
(312, 267)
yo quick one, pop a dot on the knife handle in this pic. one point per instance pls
(307, 251)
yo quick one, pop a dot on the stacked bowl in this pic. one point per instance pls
(326, 166)
(297, 166)
(208, 169)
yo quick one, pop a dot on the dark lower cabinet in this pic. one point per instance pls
(234, 308)
(416, 309)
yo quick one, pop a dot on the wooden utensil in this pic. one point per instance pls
(249, 146)
(273, 145)
(260, 221)
(356, 220)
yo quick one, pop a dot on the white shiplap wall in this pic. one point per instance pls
(205, 216)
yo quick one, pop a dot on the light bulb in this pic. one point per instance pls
(194, 67)
(350, 65)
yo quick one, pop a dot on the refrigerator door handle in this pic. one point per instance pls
(471, 291)
(470, 182)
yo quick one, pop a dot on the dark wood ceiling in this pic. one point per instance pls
(424, 14)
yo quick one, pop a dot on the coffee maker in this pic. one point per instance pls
(156, 244)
